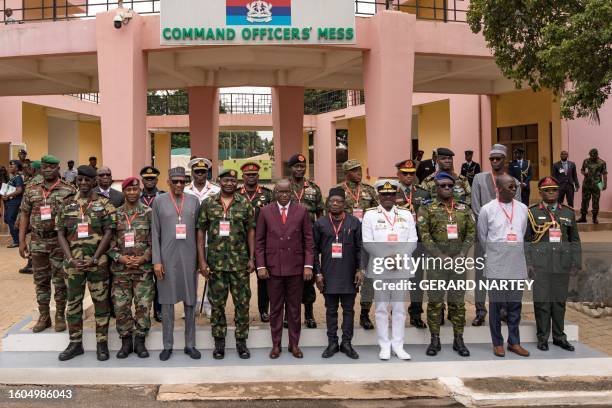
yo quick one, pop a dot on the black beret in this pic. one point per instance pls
(443, 151)
(337, 191)
(87, 171)
(295, 159)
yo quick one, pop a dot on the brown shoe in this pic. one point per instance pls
(499, 351)
(44, 322)
(295, 350)
(275, 352)
(60, 321)
(517, 349)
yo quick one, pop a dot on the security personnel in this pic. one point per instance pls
(553, 254)
(359, 197)
(132, 270)
(521, 170)
(32, 176)
(227, 221)
(411, 196)
(42, 201)
(462, 191)
(150, 178)
(259, 196)
(447, 230)
(308, 194)
(470, 168)
(85, 226)
(595, 174)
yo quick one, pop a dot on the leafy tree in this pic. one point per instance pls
(563, 45)
(320, 101)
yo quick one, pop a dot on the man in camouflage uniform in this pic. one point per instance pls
(42, 201)
(258, 196)
(85, 226)
(359, 197)
(595, 181)
(308, 194)
(132, 270)
(553, 254)
(462, 191)
(447, 230)
(411, 196)
(227, 221)
(32, 176)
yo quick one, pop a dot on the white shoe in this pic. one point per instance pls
(385, 353)
(401, 353)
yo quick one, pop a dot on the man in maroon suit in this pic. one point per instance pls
(284, 256)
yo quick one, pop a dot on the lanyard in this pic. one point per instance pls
(353, 196)
(226, 208)
(552, 216)
(450, 212)
(299, 197)
(179, 212)
(84, 211)
(129, 220)
(251, 198)
(388, 220)
(337, 231)
(408, 199)
(510, 216)
(149, 202)
(46, 192)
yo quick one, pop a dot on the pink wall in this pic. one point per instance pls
(288, 123)
(10, 119)
(464, 129)
(204, 123)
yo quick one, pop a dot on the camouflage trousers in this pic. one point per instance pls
(96, 279)
(455, 301)
(238, 284)
(587, 193)
(47, 268)
(135, 287)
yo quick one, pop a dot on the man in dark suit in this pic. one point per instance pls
(470, 168)
(520, 169)
(284, 256)
(427, 167)
(105, 181)
(565, 172)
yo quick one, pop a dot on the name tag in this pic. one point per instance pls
(554, 235)
(511, 237)
(45, 212)
(337, 250)
(83, 230)
(561, 170)
(452, 232)
(391, 237)
(129, 239)
(181, 231)
(358, 212)
(224, 228)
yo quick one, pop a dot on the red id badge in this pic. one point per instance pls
(511, 237)
(45, 212)
(358, 212)
(337, 250)
(392, 237)
(129, 239)
(224, 228)
(452, 231)
(181, 231)
(83, 230)
(554, 235)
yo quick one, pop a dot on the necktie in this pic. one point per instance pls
(284, 215)
(565, 167)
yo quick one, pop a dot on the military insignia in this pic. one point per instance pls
(421, 219)
(541, 218)
(301, 158)
(149, 171)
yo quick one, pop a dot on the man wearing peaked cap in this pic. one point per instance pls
(470, 168)
(259, 196)
(426, 167)
(553, 254)
(307, 193)
(521, 169)
(200, 187)
(359, 197)
(462, 191)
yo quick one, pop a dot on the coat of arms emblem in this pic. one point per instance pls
(259, 12)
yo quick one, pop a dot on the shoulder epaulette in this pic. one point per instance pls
(428, 201)
(534, 205)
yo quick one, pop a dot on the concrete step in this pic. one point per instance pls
(20, 339)
(45, 368)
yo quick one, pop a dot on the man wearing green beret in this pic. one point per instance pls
(42, 201)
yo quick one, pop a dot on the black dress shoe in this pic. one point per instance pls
(418, 323)
(157, 316)
(165, 355)
(311, 323)
(193, 353)
(564, 344)
(478, 320)
(332, 348)
(26, 270)
(347, 348)
(434, 346)
(542, 345)
(102, 352)
(74, 349)
(219, 350)
(265, 317)
(459, 346)
(285, 323)
(365, 322)
(242, 350)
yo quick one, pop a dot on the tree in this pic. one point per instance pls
(562, 45)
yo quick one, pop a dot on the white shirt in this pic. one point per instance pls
(208, 190)
(379, 224)
(505, 260)
(280, 208)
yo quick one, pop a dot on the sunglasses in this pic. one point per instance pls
(550, 190)
(104, 175)
(446, 185)
(177, 181)
(200, 172)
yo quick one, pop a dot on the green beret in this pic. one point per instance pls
(49, 159)
(228, 173)
(35, 164)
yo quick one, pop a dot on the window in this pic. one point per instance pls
(525, 136)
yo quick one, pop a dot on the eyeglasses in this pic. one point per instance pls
(177, 181)
(446, 185)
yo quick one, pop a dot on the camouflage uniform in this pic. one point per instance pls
(432, 221)
(46, 253)
(228, 258)
(595, 169)
(132, 285)
(462, 190)
(309, 195)
(100, 214)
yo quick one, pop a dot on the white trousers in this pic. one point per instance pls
(398, 324)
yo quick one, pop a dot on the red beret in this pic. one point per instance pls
(548, 182)
(130, 181)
